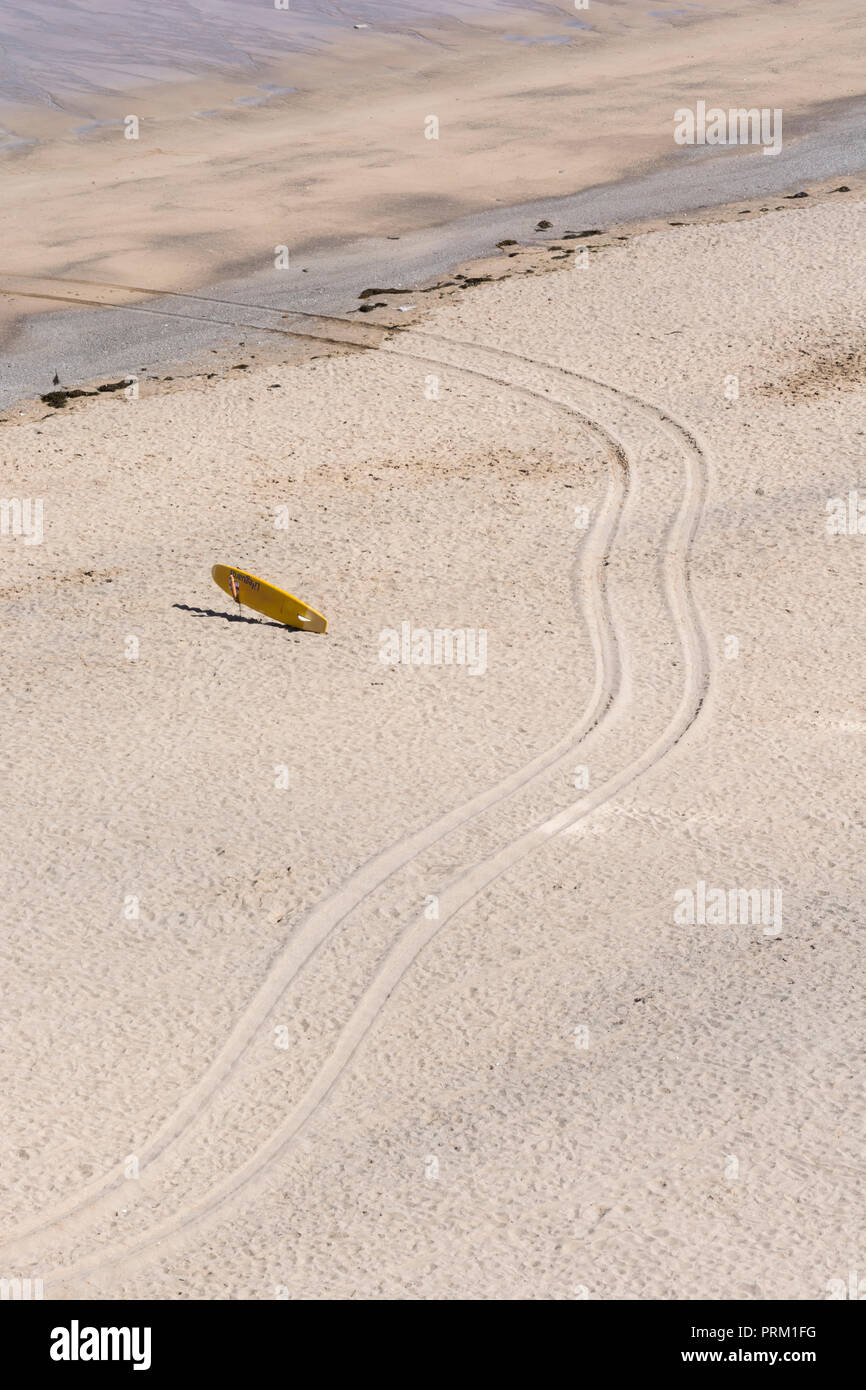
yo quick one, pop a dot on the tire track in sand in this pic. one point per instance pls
(461, 890)
(326, 916)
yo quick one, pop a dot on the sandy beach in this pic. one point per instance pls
(336, 971)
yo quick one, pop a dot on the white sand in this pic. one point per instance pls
(431, 1128)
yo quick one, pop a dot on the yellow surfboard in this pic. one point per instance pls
(268, 599)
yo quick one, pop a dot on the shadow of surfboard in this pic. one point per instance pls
(234, 617)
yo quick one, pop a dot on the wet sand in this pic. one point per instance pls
(179, 333)
(336, 167)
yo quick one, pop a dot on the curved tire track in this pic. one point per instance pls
(417, 933)
(414, 937)
(325, 917)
